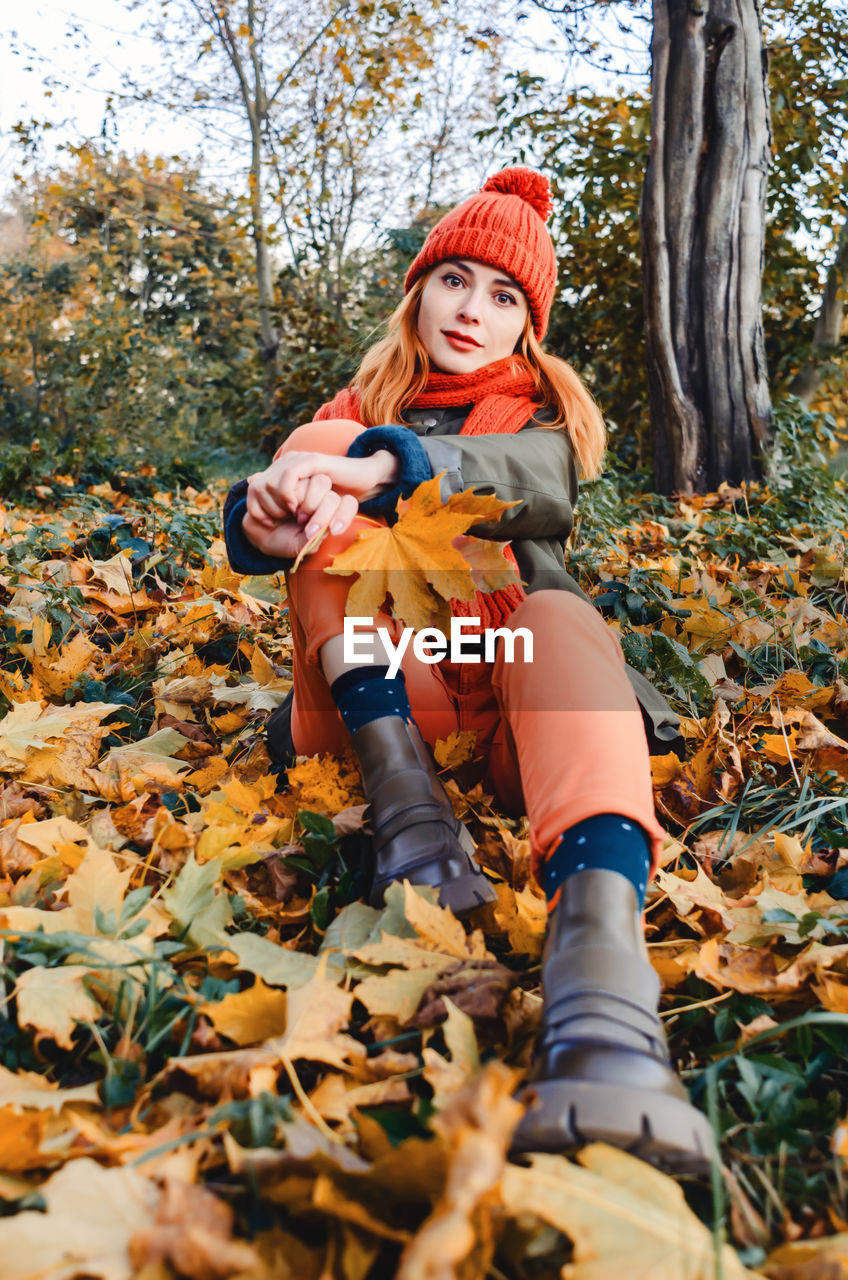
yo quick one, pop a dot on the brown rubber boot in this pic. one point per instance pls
(416, 836)
(603, 1073)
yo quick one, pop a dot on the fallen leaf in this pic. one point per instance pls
(477, 1126)
(825, 1259)
(455, 749)
(438, 928)
(623, 1217)
(28, 726)
(21, 1134)
(196, 906)
(29, 1090)
(270, 963)
(247, 1017)
(192, 1232)
(91, 1215)
(53, 1001)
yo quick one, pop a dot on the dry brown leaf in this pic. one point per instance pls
(478, 987)
(825, 1259)
(477, 1126)
(192, 1232)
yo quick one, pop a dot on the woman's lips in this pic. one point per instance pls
(459, 341)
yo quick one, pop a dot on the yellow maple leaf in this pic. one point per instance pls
(57, 667)
(324, 784)
(53, 1001)
(91, 1215)
(28, 1090)
(248, 1017)
(615, 1209)
(20, 1139)
(29, 727)
(417, 561)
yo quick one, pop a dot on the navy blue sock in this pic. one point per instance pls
(366, 693)
(606, 841)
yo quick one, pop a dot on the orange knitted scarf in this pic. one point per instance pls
(501, 397)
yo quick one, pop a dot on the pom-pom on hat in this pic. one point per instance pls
(503, 226)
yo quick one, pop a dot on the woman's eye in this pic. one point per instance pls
(451, 280)
(505, 299)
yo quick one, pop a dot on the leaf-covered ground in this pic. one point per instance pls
(217, 1062)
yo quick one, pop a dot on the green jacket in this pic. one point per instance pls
(535, 466)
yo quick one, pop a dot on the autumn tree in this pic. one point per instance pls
(318, 101)
(807, 229)
(596, 147)
(126, 329)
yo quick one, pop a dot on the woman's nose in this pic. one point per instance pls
(469, 309)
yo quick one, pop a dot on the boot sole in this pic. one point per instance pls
(466, 893)
(665, 1131)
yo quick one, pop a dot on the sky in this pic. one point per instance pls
(89, 45)
(62, 59)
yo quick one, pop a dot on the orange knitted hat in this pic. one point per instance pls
(503, 226)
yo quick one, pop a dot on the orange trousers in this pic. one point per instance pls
(562, 735)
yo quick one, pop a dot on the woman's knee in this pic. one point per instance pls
(334, 436)
(565, 615)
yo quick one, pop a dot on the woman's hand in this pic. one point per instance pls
(284, 540)
(301, 493)
(289, 485)
(285, 534)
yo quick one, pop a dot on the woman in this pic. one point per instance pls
(470, 395)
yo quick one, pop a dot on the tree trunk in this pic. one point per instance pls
(255, 106)
(256, 111)
(828, 331)
(703, 219)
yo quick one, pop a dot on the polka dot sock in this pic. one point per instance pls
(606, 841)
(366, 693)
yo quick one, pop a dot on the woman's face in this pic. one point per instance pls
(470, 315)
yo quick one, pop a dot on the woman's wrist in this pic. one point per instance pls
(384, 467)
